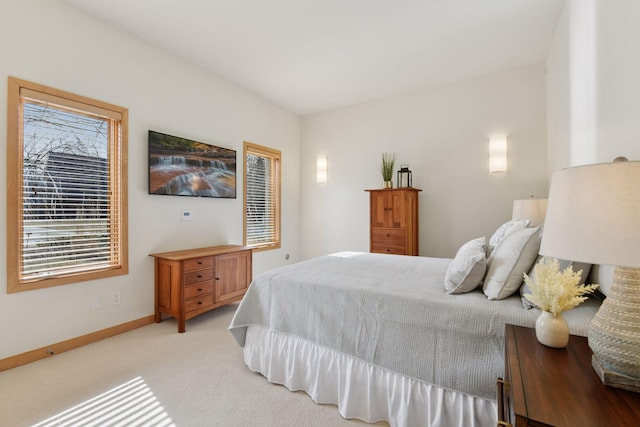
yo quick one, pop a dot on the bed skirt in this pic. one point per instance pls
(358, 388)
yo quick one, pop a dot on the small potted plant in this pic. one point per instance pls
(388, 162)
(554, 291)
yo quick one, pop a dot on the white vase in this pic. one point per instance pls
(552, 330)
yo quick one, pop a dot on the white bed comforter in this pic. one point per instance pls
(393, 312)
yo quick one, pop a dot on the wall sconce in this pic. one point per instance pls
(497, 154)
(321, 170)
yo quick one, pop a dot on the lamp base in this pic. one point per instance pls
(614, 379)
(614, 336)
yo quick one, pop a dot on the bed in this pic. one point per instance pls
(380, 337)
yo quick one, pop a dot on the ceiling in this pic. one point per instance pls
(308, 56)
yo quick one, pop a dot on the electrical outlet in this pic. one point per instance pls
(94, 302)
(115, 298)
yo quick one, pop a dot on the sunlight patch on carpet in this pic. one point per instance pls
(130, 404)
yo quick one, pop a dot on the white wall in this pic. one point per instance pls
(593, 85)
(442, 133)
(50, 43)
(593, 88)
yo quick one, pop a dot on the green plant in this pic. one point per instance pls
(388, 162)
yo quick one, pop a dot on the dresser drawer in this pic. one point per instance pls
(388, 235)
(198, 289)
(198, 263)
(198, 276)
(381, 248)
(198, 303)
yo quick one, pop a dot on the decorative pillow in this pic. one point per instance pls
(577, 266)
(467, 269)
(504, 230)
(513, 257)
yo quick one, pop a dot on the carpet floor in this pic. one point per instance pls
(153, 376)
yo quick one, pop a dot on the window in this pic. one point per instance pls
(67, 188)
(261, 197)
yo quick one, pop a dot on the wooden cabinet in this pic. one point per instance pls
(194, 281)
(394, 221)
(546, 386)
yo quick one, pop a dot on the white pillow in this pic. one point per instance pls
(467, 269)
(509, 261)
(564, 264)
(504, 230)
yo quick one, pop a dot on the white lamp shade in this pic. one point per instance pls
(593, 215)
(532, 209)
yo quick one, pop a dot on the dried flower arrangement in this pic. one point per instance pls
(553, 290)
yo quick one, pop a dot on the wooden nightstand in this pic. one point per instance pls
(546, 386)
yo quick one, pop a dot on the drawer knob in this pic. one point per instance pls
(199, 289)
(217, 278)
(199, 276)
(200, 302)
(388, 235)
(199, 262)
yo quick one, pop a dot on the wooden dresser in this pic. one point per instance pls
(546, 386)
(394, 221)
(193, 281)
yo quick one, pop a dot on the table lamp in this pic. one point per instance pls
(593, 216)
(532, 209)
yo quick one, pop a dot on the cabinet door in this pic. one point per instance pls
(233, 274)
(379, 209)
(397, 216)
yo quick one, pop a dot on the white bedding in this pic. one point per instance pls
(389, 316)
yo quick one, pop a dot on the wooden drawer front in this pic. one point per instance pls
(198, 303)
(198, 263)
(381, 248)
(198, 289)
(198, 276)
(388, 235)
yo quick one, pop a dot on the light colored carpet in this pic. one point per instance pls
(154, 376)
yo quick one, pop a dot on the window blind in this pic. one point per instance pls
(70, 216)
(262, 198)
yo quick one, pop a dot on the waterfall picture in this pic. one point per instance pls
(183, 167)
